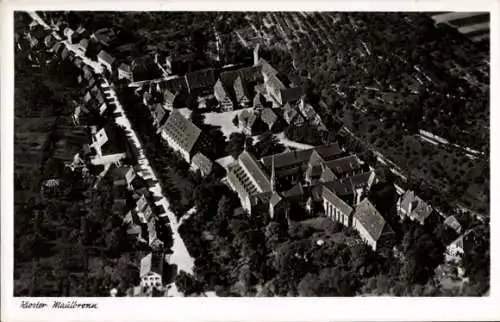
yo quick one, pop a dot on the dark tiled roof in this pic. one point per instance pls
(330, 195)
(344, 165)
(368, 216)
(345, 186)
(177, 84)
(247, 74)
(182, 130)
(201, 79)
(284, 159)
(295, 191)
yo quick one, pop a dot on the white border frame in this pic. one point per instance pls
(230, 309)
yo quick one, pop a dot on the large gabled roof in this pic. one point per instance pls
(181, 130)
(344, 164)
(284, 159)
(373, 222)
(253, 167)
(330, 195)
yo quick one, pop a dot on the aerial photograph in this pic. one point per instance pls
(251, 154)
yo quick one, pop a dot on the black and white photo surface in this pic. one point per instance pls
(251, 154)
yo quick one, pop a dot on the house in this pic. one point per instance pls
(202, 163)
(158, 113)
(372, 227)
(135, 233)
(153, 240)
(335, 208)
(87, 72)
(151, 271)
(125, 72)
(457, 248)
(269, 117)
(222, 96)
(123, 176)
(143, 210)
(83, 45)
(247, 179)
(99, 138)
(411, 206)
(452, 222)
(105, 59)
(168, 99)
(183, 136)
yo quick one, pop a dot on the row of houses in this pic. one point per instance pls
(98, 155)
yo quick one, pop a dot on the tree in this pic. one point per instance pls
(422, 254)
(237, 143)
(188, 284)
(268, 144)
(274, 233)
(329, 282)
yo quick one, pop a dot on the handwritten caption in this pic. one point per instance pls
(57, 305)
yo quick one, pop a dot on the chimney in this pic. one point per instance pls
(256, 55)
